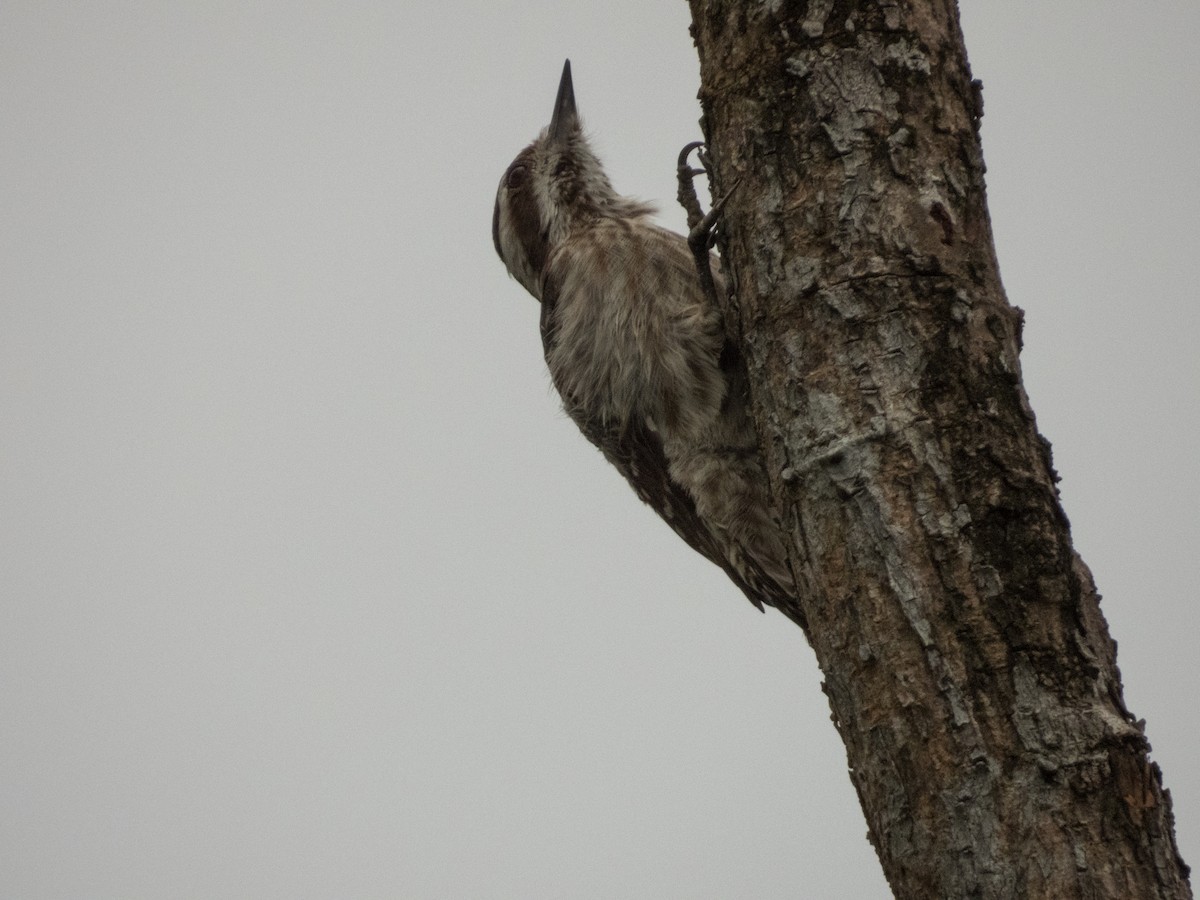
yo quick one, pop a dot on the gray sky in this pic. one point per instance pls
(308, 587)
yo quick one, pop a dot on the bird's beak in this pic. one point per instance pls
(565, 118)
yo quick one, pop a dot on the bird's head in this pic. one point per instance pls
(555, 185)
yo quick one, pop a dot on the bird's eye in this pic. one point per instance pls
(516, 176)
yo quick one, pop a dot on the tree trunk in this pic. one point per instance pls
(968, 667)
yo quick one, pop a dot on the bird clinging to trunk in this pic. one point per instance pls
(639, 352)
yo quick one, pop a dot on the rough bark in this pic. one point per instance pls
(968, 667)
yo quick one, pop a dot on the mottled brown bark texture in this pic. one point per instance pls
(968, 667)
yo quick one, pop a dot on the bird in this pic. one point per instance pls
(640, 354)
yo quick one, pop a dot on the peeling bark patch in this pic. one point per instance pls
(906, 55)
(814, 23)
(941, 215)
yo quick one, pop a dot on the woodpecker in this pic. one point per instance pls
(640, 354)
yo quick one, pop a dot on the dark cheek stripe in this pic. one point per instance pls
(496, 228)
(527, 226)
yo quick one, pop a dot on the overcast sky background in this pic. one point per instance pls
(308, 587)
